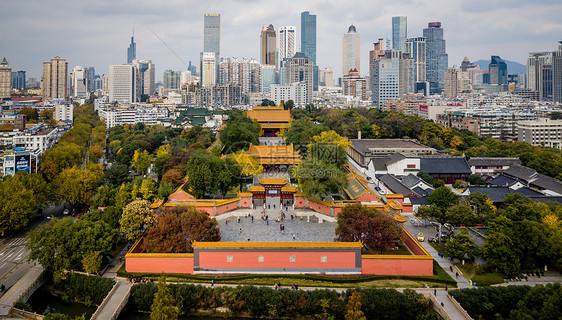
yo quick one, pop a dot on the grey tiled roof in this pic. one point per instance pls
(502, 180)
(444, 165)
(493, 161)
(521, 172)
(395, 185)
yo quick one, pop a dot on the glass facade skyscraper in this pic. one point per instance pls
(416, 47)
(308, 41)
(399, 33)
(211, 33)
(498, 71)
(132, 50)
(437, 60)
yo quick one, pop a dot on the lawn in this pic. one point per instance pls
(471, 272)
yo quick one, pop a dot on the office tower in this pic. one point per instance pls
(498, 71)
(392, 76)
(557, 74)
(123, 83)
(437, 60)
(246, 73)
(354, 85)
(79, 82)
(399, 33)
(91, 77)
(287, 43)
(5, 79)
(54, 83)
(171, 80)
(208, 69)
(416, 47)
(268, 77)
(105, 84)
(146, 78)
(211, 33)
(451, 83)
(192, 68)
(539, 73)
(328, 77)
(466, 64)
(308, 42)
(132, 50)
(351, 51)
(268, 44)
(18, 80)
(375, 54)
(98, 84)
(301, 70)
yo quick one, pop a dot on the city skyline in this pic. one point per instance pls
(471, 29)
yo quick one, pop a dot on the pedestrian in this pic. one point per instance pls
(451, 267)
(296, 286)
(435, 292)
(446, 288)
(212, 283)
(240, 230)
(226, 222)
(457, 274)
(442, 305)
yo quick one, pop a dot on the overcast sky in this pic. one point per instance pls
(97, 32)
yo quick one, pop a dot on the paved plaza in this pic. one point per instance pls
(307, 226)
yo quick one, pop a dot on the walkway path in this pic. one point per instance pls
(114, 302)
(20, 289)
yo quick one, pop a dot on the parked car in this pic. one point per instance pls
(421, 237)
(66, 211)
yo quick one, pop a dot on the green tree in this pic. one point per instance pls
(141, 161)
(18, 205)
(238, 135)
(353, 308)
(77, 186)
(460, 214)
(92, 261)
(62, 156)
(484, 206)
(165, 189)
(164, 305)
(461, 245)
(147, 189)
(136, 217)
(476, 179)
(443, 198)
(319, 178)
(116, 174)
(300, 133)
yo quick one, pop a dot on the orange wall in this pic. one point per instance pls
(171, 264)
(300, 202)
(368, 197)
(319, 207)
(391, 266)
(245, 203)
(208, 210)
(413, 245)
(407, 208)
(310, 260)
(227, 207)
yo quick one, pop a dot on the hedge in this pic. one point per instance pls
(88, 290)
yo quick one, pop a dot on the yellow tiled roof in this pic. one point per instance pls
(256, 189)
(271, 114)
(275, 181)
(289, 189)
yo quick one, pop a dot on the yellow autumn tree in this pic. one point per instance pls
(247, 163)
(552, 221)
(332, 137)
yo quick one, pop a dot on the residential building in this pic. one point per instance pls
(80, 82)
(456, 82)
(146, 76)
(541, 132)
(287, 43)
(328, 77)
(308, 43)
(399, 33)
(437, 60)
(354, 85)
(41, 139)
(54, 83)
(132, 114)
(123, 83)
(351, 51)
(391, 77)
(215, 96)
(63, 112)
(208, 69)
(300, 69)
(5, 79)
(557, 74)
(18, 120)
(105, 84)
(375, 54)
(498, 71)
(409, 104)
(268, 46)
(170, 82)
(132, 50)
(18, 80)
(416, 47)
(296, 91)
(246, 73)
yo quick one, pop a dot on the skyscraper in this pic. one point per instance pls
(392, 76)
(91, 77)
(211, 33)
(498, 71)
(171, 80)
(329, 77)
(268, 44)
(18, 80)
(5, 79)
(351, 51)
(399, 33)
(287, 43)
(132, 50)
(208, 69)
(308, 42)
(557, 74)
(416, 47)
(246, 73)
(79, 82)
(539, 73)
(123, 83)
(54, 83)
(301, 70)
(146, 78)
(437, 60)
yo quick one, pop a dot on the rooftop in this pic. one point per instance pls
(269, 114)
(444, 165)
(493, 161)
(365, 145)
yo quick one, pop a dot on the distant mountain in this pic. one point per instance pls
(512, 66)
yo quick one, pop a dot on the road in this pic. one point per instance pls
(13, 255)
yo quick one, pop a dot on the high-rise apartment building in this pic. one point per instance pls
(146, 77)
(5, 79)
(392, 76)
(268, 45)
(354, 85)
(246, 73)
(208, 69)
(539, 73)
(171, 80)
(375, 54)
(268, 77)
(301, 70)
(399, 33)
(308, 43)
(80, 82)
(123, 81)
(416, 47)
(287, 43)
(211, 33)
(498, 71)
(557, 74)
(132, 50)
(328, 77)
(54, 83)
(18, 80)
(437, 60)
(351, 51)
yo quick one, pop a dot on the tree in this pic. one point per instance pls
(63, 155)
(173, 176)
(426, 177)
(137, 216)
(31, 114)
(208, 174)
(376, 230)
(92, 261)
(461, 245)
(289, 105)
(176, 228)
(353, 308)
(484, 206)
(165, 189)
(332, 137)
(141, 161)
(319, 178)
(267, 103)
(116, 174)
(247, 163)
(147, 189)
(326, 152)
(433, 211)
(442, 197)
(460, 214)
(300, 133)
(476, 179)
(238, 135)
(18, 204)
(77, 186)
(163, 307)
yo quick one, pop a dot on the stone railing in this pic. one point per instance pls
(105, 300)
